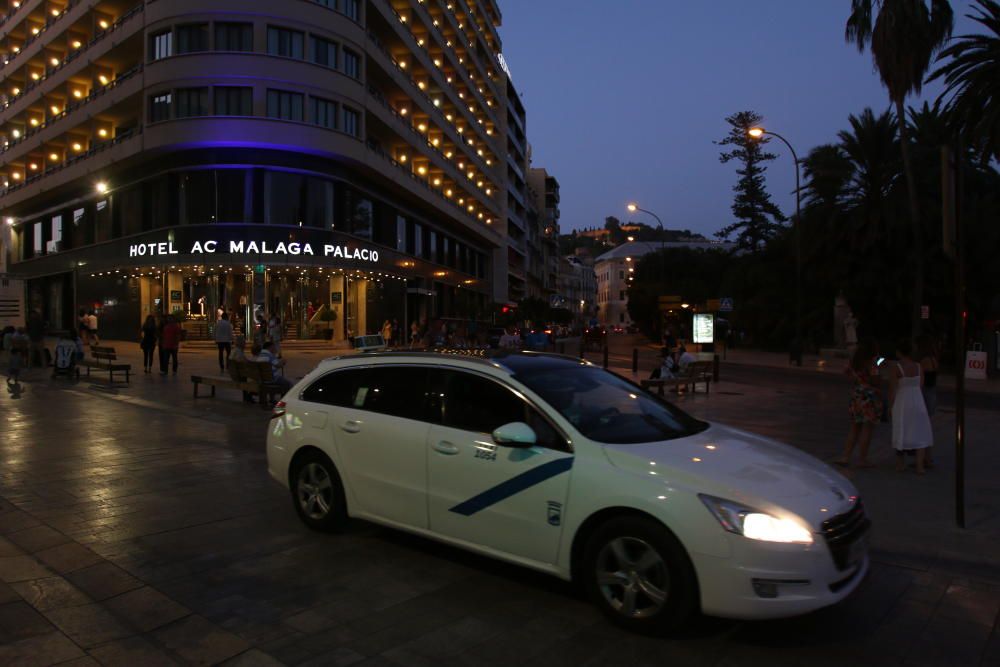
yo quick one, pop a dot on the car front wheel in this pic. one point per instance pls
(317, 492)
(640, 575)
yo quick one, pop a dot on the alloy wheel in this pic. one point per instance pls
(632, 577)
(314, 490)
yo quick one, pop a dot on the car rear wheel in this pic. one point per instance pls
(640, 575)
(317, 492)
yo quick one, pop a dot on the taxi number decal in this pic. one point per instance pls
(486, 454)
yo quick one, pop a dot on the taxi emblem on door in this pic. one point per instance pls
(555, 513)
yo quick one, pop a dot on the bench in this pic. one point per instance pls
(256, 377)
(105, 359)
(696, 371)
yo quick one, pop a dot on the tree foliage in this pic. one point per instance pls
(903, 36)
(757, 217)
(971, 76)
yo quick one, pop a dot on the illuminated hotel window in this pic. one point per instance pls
(192, 38)
(234, 37)
(159, 108)
(161, 45)
(324, 52)
(286, 43)
(323, 112)
(351, 121)
(352, 62)
(284, 105)
(192, 102)
(233, 101)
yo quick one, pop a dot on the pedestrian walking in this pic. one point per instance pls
(224, 340)
(170, 342)
(911, 426)
(865, 407)
(148, 343)
(92, 328)
(83, 326)
(387, 332)
(18, 347)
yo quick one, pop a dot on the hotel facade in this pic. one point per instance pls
(192, 156)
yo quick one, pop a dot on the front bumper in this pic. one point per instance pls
(801, 578)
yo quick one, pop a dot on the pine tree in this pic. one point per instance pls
(757, 217)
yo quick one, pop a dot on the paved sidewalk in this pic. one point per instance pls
(138, 526)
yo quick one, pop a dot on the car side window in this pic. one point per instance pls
(337, 388)
(399, 391)
(473, 403)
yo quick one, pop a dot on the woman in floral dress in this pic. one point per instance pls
(865, 407)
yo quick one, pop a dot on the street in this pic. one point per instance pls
(140, 527)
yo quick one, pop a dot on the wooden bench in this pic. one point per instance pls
(105, 359)
(256, 377)
(696, 371)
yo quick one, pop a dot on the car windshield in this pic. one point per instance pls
(605, 408)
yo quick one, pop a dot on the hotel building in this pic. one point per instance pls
(290, 157)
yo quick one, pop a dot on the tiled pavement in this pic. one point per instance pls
(138, 527)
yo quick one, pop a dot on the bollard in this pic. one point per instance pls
(635, 360)
(605, 357)
(582, 349)
(562, 347)
(715, 368)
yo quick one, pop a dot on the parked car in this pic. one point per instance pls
(560, 466)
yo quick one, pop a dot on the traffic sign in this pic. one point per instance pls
(726, 304)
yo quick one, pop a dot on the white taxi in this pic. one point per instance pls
(558, 465)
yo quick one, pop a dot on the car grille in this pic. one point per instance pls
(843, 531)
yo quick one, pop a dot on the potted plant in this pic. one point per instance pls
(328, 315)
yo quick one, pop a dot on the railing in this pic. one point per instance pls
(49, 71)
(70, 108)
(125, 135)
(466, 71)
(484, 167)
(380, 98)
(406, 170)
(451, 17)
(31, 39)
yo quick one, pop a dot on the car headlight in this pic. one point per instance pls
(750, 523)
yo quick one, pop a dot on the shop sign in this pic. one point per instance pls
(294, 248)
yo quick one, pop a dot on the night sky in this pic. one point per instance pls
(625, 97)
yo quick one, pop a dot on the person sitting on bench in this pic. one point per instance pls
(277, 366)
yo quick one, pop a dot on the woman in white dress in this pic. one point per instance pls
(911, 427)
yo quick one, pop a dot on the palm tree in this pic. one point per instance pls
(972, 81)
(872, 149)
(827, 171)
(903, 36)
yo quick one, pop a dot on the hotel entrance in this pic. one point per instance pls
(312, 303)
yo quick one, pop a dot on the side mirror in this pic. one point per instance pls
(515, 434)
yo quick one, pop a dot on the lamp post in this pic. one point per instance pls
(632, 208)
(796, 351)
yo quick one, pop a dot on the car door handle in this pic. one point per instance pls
(351, 426)
(446, 448)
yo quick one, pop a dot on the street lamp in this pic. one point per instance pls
(757, 133)
(632, 208)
